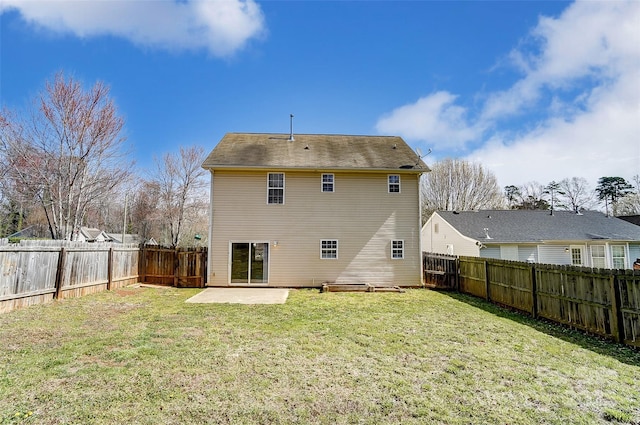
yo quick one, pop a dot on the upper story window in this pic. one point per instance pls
(275, 188)
(394, 183)
(328, 183)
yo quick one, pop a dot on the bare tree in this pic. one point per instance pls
(532, 196)
(455, 184)
(66, 152)
(576, 194)
(179, 181)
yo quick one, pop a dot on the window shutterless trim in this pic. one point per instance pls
(275, 189)
(327, 185)
(393, 183)
(397, 249)
(328, 249)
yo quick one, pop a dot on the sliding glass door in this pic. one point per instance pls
(249, 262)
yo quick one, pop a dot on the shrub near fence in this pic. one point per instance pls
(599, 301)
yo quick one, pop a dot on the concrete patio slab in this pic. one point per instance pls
(241, 296)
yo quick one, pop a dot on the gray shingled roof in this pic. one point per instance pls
(317, 151)
(539, 225)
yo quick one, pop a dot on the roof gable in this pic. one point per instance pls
(315, 151)
(521, 226)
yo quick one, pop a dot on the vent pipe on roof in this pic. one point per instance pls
(291, 139)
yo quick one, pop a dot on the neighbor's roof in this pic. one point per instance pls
(539, 225)
(316, 151)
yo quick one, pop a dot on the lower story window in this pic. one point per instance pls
(576, 256)
(397, 250)
(329, 249)
(597, 256)
(618, 259)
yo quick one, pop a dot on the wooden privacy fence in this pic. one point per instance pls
(38, 272)
(441, 271)
(600, 301)
(179, 267)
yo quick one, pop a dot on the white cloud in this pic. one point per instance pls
(577, 105)
(221, 26)
(433, 119)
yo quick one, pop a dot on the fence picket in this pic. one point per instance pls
(602, 302)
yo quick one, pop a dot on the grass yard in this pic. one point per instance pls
(143, 356)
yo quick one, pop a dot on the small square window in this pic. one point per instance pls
(329, 249)
(394, 183)
(275, 188)
(397, 250)
(327, 183)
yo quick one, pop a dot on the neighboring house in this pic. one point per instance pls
(634, 219)
(128, 238)
(89, 234)
(588, 239)
(300, 211)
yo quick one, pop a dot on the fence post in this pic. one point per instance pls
(617, 322)
(110, 269)
(486, 279)
(142, 263)
(534, 293)
(176, 267)
(60, 273)
(457, 277)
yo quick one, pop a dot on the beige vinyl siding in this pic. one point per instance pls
(360, 214)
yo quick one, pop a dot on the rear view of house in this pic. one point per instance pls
(301, 211)
(589, 239)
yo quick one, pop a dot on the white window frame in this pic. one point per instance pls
(602, 257)
(328, 249)
(270, 188)
(580, 249)
(394, 184)
(331, 184)
(397, 249)
(624, 257)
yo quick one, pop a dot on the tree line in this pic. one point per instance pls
(64, 165)
(460, 185)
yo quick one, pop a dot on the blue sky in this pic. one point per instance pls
(535, 91)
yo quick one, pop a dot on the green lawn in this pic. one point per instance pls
(143, 356)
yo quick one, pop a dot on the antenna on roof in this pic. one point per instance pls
(420, 155)
(291, 139)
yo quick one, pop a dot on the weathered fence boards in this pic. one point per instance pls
(473, 277)
(31, 274)
(440, 271)
(602, 302)
(182, 267)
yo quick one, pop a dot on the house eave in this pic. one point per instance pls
(416, 171)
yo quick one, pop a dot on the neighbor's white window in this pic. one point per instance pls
(617, 256)
(394, 183)
(397, 249)
(275, 188)
(598, 259)
(327, 182)
(329, 249)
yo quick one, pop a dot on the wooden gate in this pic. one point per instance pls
(440, 271)
(179, 267)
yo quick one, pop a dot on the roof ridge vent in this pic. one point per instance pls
(291, 138)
